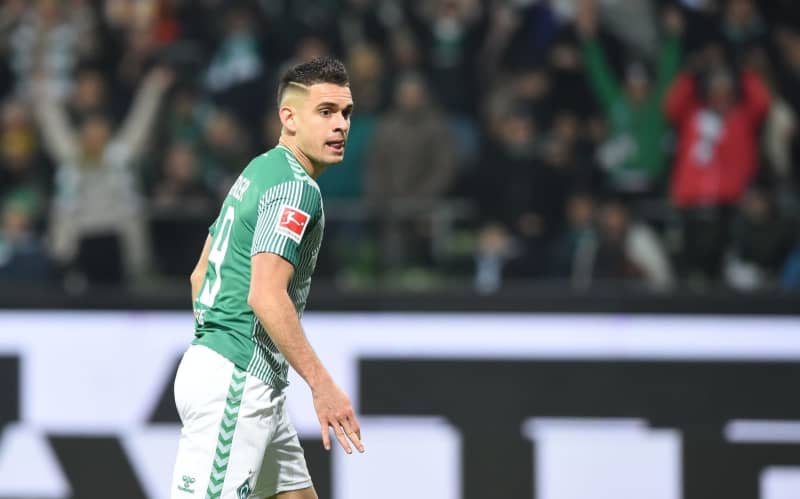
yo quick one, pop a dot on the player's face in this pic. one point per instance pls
(323, 123)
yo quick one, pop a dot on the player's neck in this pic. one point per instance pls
(313, 170)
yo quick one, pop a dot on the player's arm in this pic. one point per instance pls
(270, 301)
(199, 272)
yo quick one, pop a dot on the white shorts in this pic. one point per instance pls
(236, 440)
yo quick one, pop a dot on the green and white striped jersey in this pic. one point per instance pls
(274, 206)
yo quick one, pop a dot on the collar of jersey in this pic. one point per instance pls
(298, 171)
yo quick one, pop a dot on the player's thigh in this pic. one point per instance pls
(228, 420)
(307, 493)
(266, 457)
(284, 467)
(201, 386)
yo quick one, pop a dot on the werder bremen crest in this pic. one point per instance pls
(243, 492)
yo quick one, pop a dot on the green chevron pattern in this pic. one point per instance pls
(225, 439)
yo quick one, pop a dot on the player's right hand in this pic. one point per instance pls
(335, 411)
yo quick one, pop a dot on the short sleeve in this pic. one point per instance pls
(286, 213)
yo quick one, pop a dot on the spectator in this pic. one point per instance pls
(531, 89)
(635, 153)
(270, 130)
(555, 175)
(702, 23)
(139, 51)
(181, 189)
(742, 25)
(367, 84)
(367, 21)
(184, 121)
(634, 22)
(519, 35)
(89, 95)
(47, 39)
(761, 240)
(165, 21)
(539, 126)
(22, 258)
(623, 251)
(569, 88)
(96, 185)
(310, 47)
(128, 14)
(780, 124)
(404, 52)
(295, 20)
(631, 21)
(236, 69)
(506, 218)
(187, 115)
(223, 152)
(527, 200)
(20, 162)
(410, 165)
(11, 11)
(787, 71)
(449, 32)
(565, 257)
(368, 79)
(495, 248)
(513, 143)
(717, 114)
(182, 204)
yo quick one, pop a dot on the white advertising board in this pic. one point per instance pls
(103, 373)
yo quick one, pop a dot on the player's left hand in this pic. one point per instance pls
(334, 410)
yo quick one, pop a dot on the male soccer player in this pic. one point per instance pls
(249, 290)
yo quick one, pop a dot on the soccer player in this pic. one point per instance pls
(249, 290)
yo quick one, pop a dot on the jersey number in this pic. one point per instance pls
(219, 246)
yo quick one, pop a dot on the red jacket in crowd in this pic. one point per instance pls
(717, 155)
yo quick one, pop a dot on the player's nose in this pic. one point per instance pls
(342, 123)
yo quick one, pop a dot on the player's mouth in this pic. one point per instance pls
(336, 145)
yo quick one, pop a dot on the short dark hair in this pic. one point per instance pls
(324, 69)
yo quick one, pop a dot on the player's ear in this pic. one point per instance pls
(287, 116)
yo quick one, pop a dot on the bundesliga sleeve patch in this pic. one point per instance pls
(292, 223)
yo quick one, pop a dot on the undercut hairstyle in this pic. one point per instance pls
(323, 69)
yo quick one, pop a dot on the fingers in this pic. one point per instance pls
(340, 436)
(346, 430)
(353, 432)
(335, 411)
(326, 438)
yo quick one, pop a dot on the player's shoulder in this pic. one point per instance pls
(268, 169)
(275, 167)
(278, 174)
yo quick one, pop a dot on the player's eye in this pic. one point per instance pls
(325, 112)
(346, 113)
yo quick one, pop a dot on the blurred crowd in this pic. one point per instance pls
(649, 144)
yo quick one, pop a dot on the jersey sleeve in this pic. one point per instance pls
(286, 213)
